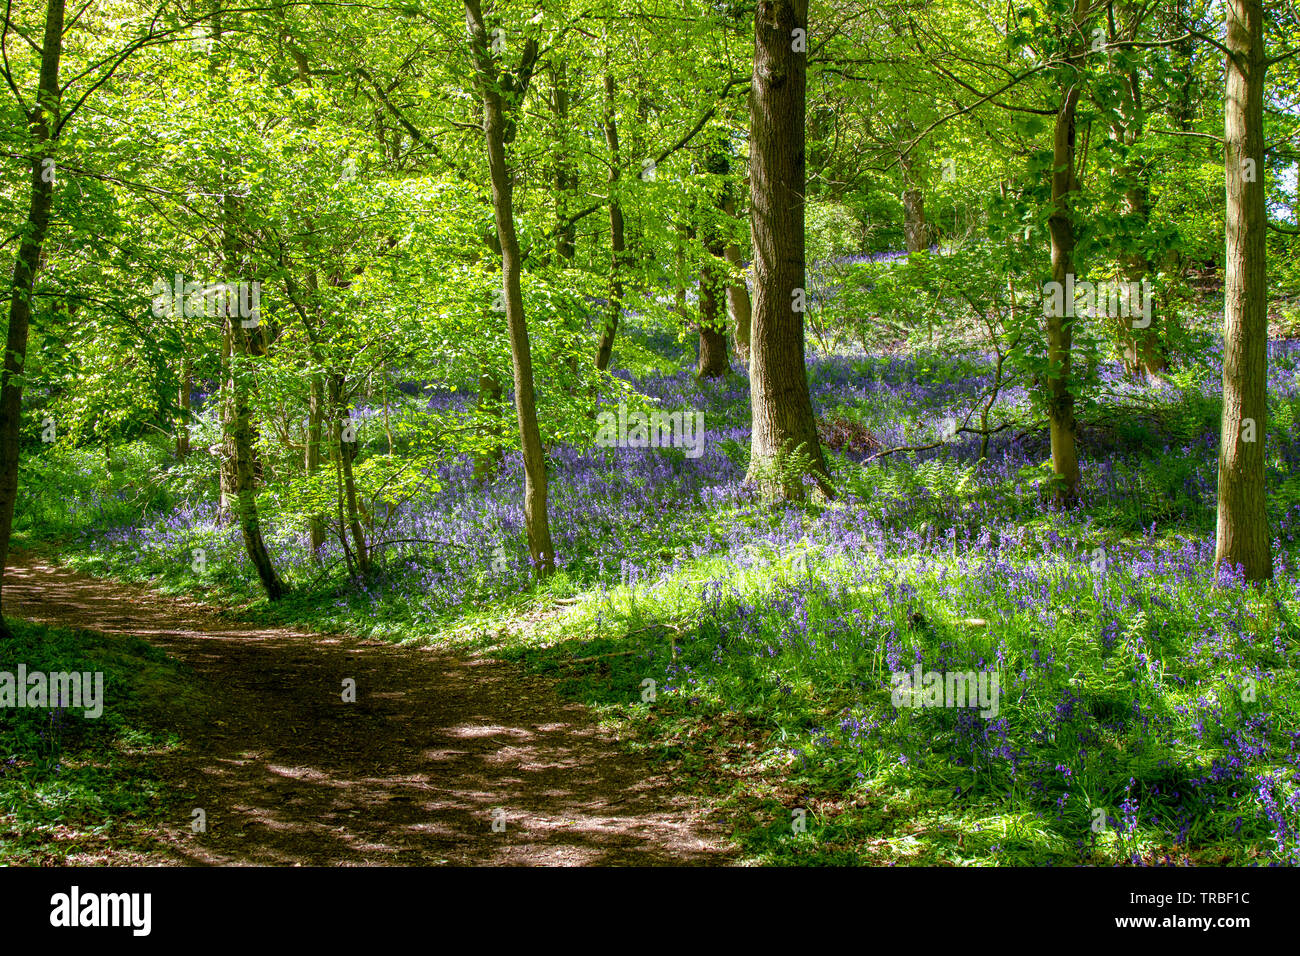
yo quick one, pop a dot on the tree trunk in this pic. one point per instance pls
(315, 420)
(183, 400)
(239, 432)
(1143, 354)
(742, 312)
(713, 361)
(348, 452)
(226, 463)
(388, 425)
(42, 123)
(1142, 349)
(684, 233)
(783, 419)
(1060, 331)
(566, 177)
(497, 131)
(617, 240)
(916, 231)
(238, 452)
(1243, 534)
(489, 396)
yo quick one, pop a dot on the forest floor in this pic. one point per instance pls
(437, 751)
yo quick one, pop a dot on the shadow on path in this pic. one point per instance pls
(434, 749)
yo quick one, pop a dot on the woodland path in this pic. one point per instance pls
(411, 773)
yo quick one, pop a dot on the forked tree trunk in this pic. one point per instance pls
(42, 123)
(782, 411)
(1242, 536)
(497, 131)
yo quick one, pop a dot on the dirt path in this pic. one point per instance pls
(411, 773)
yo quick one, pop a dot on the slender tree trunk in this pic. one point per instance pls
(489, 397)
(315, 420)
(684, 233)
(238, 452)
(742, 312)
(783, 420)
(1143, 354)
(1243, 534)
(1142, 349)
(1060, 331)
(617, 239)
(183, 401)
(41, 123)
(497, 131)
(566, 177)
(347, 452)
(1182, 109)
(713, 360)
(388, 426)
(225, 461)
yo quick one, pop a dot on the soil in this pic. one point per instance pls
(443, 758)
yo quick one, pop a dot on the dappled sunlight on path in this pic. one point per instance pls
(441, 758)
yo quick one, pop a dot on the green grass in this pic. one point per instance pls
(1143, 693)
(774, 718)
(75, 785)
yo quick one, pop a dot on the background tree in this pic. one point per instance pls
(783, 422)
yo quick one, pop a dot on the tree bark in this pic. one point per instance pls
(347, 453)
(783, 420)
(684, 234)
(489, 397)
(1142, 350)
(42, 122)
(1242, 536)
(238, 453)
(713, 360)
(742, 311)
(183, 401)
(498, 130)
(617, 238)
(1143, 353)
(315, 422)
(916, 231)
(1060, 331)
(566, 177)
(239, 433)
